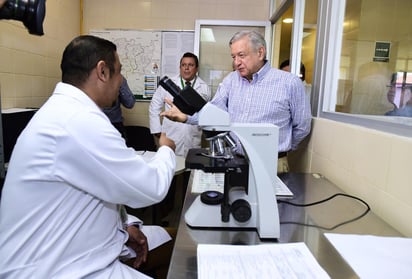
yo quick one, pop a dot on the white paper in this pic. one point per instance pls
(155, 235)
(206, 181)
(375, 256)
(15, 110)
(285, 260)
(148, 156)
(203, 181)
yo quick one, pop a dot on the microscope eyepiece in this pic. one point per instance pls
(186, 99)
(169, 86)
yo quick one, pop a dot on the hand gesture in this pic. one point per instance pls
(173, 113)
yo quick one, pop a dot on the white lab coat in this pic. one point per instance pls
(185, 136)
(69, 171)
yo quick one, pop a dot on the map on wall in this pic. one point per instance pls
(140, 55)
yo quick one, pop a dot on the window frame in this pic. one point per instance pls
(248, 23)
(205, 73)
(328, 49)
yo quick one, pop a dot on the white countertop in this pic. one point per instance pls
(180, 160)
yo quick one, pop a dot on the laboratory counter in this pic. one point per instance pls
(319, 218)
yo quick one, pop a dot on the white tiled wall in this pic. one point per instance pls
(372, 165)
(29, 64)
(170, 14)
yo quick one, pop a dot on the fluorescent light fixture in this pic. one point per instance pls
(206, 35)
(287, 20)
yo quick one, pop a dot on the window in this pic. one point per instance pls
(294, 33)
(212, 46)
(361, 55)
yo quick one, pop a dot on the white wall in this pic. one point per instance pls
(369, 164)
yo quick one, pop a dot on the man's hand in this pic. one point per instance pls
(138, 242)
(173, 113)
(164, 140)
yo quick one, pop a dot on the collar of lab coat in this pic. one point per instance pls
(75, 93)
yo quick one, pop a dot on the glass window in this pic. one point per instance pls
(309, 44)
(294, 36)
(359, 63)
(212, 46)
(375, 66)
(284, 28)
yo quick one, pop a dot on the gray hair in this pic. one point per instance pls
(256, 39)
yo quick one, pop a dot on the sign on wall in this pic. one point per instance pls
(382, 51)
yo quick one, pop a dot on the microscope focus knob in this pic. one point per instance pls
(241, 210)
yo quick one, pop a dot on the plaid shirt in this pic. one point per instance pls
(273, 96)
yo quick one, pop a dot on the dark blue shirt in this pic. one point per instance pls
(126, 98)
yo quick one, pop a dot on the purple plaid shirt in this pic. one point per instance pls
(274, 96)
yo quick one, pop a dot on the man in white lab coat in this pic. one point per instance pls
(185, 136)
(69, 172)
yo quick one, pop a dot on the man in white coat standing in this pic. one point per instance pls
(184, 135)
(68, 175)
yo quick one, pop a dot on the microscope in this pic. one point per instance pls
(248, 200)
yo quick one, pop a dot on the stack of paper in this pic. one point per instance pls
(375, 256)
(287, 260)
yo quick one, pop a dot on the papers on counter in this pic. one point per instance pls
(155, 235)
(203, 181)
(15, 110)
(280, 260)
(375, 256)
(207, 181)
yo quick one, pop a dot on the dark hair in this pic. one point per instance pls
(302, 68)
(81, 56)
(284, 64)
(191, 55)
(302, 71)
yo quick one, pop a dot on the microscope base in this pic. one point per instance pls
(201, 215)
